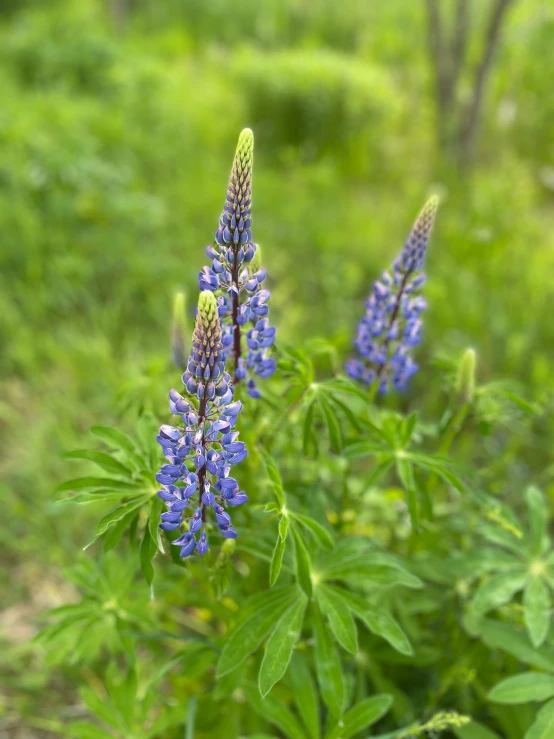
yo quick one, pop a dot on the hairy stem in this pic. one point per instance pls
(393, 318)
(234, 319)
(202, 472)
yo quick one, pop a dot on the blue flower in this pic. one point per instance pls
(392, 326)
(203, 448)
(236, 274)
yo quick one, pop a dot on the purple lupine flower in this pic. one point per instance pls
(237, 276)
(392, 326)
(202, 449)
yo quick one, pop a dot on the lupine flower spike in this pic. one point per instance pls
(237, 276)
(391, 326)
(202, 449)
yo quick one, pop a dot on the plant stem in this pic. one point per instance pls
(234, 319)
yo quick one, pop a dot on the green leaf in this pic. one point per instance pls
(96, 483)
(342, 623)
(85, 730)
(381, 469)
(499, 635)
(308, 433)
(148, 549)
(377, 621)
(305, 694)
(95, 496)
(276, 560)
(536, 610)
(328, 668)
(348, 413)
(283, 527)
(251, 632)
(103, 460)
(154, 521)
(496, 591)
(115, 532)
(365, 572)
(364, 449)
(104, 711)
(523, 688)
(363, 714)
(303, 565)
(442, 467)
(474, 730)
(505, 539)
(408, 426)
(321, 535)
(280, 645)
(543, 727)
(332, 423)
(115, 438)
(538, 518)
(274, 476)
(274, 711)
(406, 474)
(115, 515)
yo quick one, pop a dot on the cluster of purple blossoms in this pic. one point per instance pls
(236, 272)
(392, 325)
(201, 451)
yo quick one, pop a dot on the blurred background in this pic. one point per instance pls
(118, 122)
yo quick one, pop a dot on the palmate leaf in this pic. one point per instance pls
(405, 472)
(537, 606)
(280, 645)
(475, 730)
(116, 439)
(277, 560)
(252, 630)
(103, 460)
(113, 535)
(543, 726)
(86, 730)
(538, 519)
(305, 694)
(274, 477)
(99, 483)
(499, 635)
(320, 533)
(377, 621)
(331, 421)
(369, 568)
(117, 514)
(361, 716)
(367, 448)
(497, 590)
(326, 401)
(523, 688)
(148, 549)
(309, 437)
(328, 667)
(275, 712)
(341, 621)
(303, 563)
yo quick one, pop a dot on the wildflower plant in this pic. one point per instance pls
(392, 326)
(238, 277)
(360, 569)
